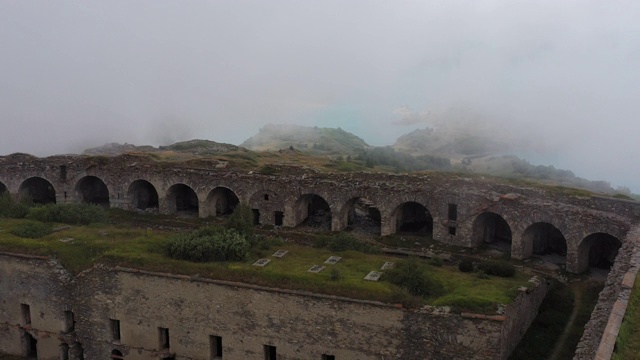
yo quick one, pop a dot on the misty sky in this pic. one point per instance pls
(560, 77)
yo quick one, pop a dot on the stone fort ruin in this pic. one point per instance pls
(125, 313)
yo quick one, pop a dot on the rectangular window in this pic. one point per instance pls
(270, 352)
(453, 212)
(115, 329)
(163, 336)
(26, 314)
(216, 347)
(328, 357)
(69, 322)
(63, 172)
(256, 216)
(452, 230)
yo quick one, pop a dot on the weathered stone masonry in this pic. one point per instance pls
(245, 318)
(532, 220)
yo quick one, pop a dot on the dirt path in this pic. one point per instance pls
(560, 343)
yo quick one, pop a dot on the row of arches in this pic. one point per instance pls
(540, 238)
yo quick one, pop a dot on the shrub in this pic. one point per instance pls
(497, 268)
(413, 276)
(207, 244)
(335, 274)
(435, 261)
(343, 242)
(81, 214)
(242, 220)
(465, 266)
(12, 209)
(321, 242)
(32, 230)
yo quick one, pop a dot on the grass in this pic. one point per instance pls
(627, 344)
(143, 247)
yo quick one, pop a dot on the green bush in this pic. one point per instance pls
(80, 214)
(414, 276)
(343, 242)
(321, 242)
(208, 244)
(497, 268)
(32, 230)
(435, 261)
(242, 220)
(12, 209)
(465, 266)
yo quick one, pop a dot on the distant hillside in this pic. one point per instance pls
(313, 140)
(192, 147)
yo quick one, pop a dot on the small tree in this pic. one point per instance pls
(242, 221)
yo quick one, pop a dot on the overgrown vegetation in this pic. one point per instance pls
(343, 242)
(14, 209)
(415, 277)
(627, 344)
(401, 162)
(80, 214)
(497, 268)
(32, 230)
(209, 244)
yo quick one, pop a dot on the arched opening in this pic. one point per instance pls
(600, 250)
(362, 215)
(3, 189)
(222, 201)
(38, 190)
(545, 239)
(493, 229)
(116, 354)
(314, 211)
(182, 199)
(92, 190)
(412, 217)
(143, 195)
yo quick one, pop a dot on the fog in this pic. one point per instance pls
(558, 77)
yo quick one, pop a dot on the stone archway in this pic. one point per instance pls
(181, 199)
(361, 215)
(38, 190)
(598, 250)
(313, 210)
(492, 228)
(413, 217)
(143, 195)
(543, 238)
(221, 201)
(92, 190)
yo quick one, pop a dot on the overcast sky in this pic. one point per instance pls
(560, 76)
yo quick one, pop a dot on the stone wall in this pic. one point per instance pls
(246, 318)
(598, 339)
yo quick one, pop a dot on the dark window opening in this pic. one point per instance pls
(453, 212)
(279, 217)
(452, 230)
(31, 345)
(266, 197)
(328, 357)
(117, 354)
(65, 194)
(69, 322)
(256, 216)
(163, 335)
(63, 172)
(216, 347)
(270, 352)
(115, 329)
(26, 314)
(64, 351)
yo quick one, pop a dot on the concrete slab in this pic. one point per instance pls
(373, 276)
(280, 253)
(261, 262)
(316, 269)
(388, 265)
(332, 260)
